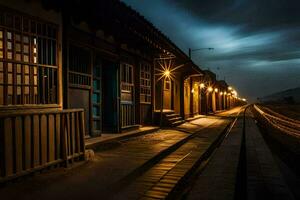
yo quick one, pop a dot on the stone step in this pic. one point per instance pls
(175, 119)
(176, 123)
(172, 115)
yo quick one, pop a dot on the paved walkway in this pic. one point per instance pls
(109, 137)
(94, 179)
(218, 179)
(264, 179)
(158, 181)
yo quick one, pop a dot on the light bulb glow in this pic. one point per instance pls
(167, 73)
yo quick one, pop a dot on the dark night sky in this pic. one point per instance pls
(257, 42)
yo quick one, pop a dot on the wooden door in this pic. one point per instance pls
(96, 97)
(127, 114)
(110, 96)
(80, 98)
(195, 99)
(167, 93)
(79, 85)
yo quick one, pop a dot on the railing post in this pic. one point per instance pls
(63, 139)
(82, 132)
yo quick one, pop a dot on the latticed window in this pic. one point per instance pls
(79, 66)
(145, 83)
(28, 60)
(126, 82)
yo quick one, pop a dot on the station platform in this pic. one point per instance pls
(220, 178)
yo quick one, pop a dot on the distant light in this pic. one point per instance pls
(202, 85)
(225, 93)
(210, 89)
(229, 88)
(216, 90)
(221, 93)
(244, 99)
(193, 90)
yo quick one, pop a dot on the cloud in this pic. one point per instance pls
(252, 13)
(256, 43)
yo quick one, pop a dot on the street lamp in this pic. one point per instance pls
(167, 73)
(191, 50)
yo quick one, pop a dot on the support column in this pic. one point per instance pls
(191, 98)
(181, 89)
(213, 101)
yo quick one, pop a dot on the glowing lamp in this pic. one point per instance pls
(167, 73)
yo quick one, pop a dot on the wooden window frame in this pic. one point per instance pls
(127, 83)
(79, 67)
(167, 81)
(34, 78)
(145, 83)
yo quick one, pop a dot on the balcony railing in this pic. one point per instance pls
(33, 140)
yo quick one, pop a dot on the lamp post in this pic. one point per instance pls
(191, 50)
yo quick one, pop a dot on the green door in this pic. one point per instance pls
(110, 96)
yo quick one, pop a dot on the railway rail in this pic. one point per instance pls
(281, 122)
(165, 176)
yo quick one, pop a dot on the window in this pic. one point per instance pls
(126, 82)
(28, 61)
(79, 66)
(145, 83)
(167, 84)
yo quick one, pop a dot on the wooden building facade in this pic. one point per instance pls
(70, 71)
(35, 130)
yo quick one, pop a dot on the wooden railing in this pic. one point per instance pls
(31, 141)
(127, 114)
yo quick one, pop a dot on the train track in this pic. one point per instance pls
(281, 122)
(165, 176)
